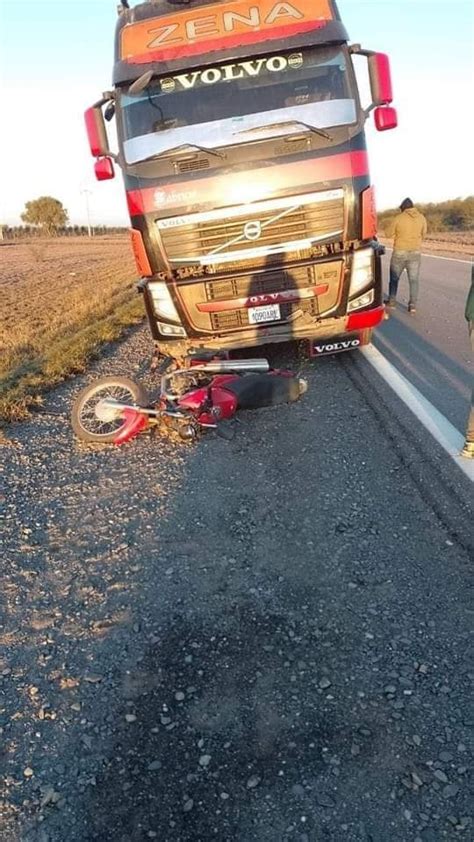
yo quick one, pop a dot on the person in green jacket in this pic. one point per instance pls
(468, 449)
(408, 231)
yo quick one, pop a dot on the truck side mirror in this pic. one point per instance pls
(104, 169)
(385, 118)
(380, 79)
(96, 133)
(98, 141)
(380, 88)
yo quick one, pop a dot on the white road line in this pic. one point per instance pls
(451, 259)
(440, 428)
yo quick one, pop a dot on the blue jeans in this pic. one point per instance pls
(409, 260)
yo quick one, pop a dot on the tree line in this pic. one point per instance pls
(19, 232)
(46, 216)
(453, 215)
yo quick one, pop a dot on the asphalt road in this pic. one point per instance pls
(257, 640)
(432, 349)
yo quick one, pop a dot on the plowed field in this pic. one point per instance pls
(61, 298)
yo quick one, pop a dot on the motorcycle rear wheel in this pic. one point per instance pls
(92, 422)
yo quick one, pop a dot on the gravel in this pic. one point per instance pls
(212, 641)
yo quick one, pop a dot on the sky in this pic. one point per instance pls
(56, 59)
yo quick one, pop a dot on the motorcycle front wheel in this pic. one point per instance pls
(93, 420)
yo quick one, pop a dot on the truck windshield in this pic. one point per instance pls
(220, 105)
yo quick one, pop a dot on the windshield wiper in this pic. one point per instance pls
(181, 148)
(288, 123)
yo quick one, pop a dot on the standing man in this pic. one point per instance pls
(468, 449)
(408, 231)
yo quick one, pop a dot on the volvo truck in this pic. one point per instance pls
(240, 136)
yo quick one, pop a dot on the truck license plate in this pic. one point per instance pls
(269, 313)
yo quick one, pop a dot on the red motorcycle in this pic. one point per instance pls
(207, 391)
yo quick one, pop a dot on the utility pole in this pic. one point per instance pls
(88, 193)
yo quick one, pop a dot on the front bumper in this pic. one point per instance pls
(346, 328)
(312, 297)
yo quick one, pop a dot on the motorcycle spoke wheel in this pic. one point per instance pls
(94, 422)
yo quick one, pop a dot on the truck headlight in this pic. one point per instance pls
(362, 270)
(162, 301)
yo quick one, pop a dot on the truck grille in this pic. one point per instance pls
(260, 284)
(308, 277)
(235, 319)
(247, 234)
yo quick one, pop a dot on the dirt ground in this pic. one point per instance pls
(60, 298)
(48, 280)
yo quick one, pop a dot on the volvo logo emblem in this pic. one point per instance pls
(253, 230)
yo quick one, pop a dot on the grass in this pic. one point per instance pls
(61, 303)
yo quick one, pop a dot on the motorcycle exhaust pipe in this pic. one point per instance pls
(234, 366)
